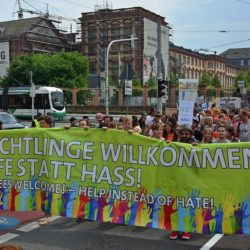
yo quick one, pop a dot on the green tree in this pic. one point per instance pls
(84, 96)
(243, 76)
(173, 80)
(65, 69)
(216, 81)
(152, 82)
(205, 79)
(248, 80)
(137, 89)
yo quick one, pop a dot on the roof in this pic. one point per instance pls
(18, 27)
(237, 53)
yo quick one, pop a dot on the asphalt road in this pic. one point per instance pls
(67, 234)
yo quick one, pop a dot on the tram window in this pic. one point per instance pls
(42, 101)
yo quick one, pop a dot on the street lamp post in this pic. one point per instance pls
(107, 69)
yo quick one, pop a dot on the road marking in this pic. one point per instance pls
(34, 225)
(8, 236)
(52, 218)
(212, 241)
(28, 227)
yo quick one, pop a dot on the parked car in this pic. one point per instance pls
(9, 121)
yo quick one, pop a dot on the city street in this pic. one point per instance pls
(66, 233)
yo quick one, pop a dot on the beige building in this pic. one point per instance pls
(185, 63)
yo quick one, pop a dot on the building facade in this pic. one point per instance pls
(185, 63)
(102, 26)
(32, 35)
(239, 57)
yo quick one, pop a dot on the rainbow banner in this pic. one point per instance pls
(126, 178)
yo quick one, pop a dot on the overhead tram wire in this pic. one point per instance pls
(71, 2)
(78, 4)
(227, 44)
(213, 31)
(243, 1)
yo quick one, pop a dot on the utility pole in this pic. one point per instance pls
(159, 74)
(32, 94)
(107, 69)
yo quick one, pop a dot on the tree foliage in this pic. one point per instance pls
(216, 81)
(152, 82)
(84, 97)
(205, 79)
(65, 69)
(137, 87)
(243, 76)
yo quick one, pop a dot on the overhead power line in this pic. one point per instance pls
(243, 1)
(216, 31)
(227, 44)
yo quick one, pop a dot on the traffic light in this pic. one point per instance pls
(162, 88)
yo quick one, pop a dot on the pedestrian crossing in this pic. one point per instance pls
(25, 228)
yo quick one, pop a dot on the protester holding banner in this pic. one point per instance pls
(186, 136)
(231, 135)
(127, 122)
(208, 135)
(222, 135)
(83, 123)
(168, 132)
(45, 121)
(157, 131)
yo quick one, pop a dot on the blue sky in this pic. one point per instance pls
(196, 23)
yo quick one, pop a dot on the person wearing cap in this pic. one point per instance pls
(186, 136)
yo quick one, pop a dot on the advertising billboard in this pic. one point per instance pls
(150, 50)
(4, 58)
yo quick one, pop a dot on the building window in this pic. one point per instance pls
(115, 33)
(210, 64)
(92, 67)
(184, 60)
(92, 50)
(91, 35)
(127, 31)
(115, 71)
(241, 62)
(115, 48)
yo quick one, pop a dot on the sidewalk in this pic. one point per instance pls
(10, 220)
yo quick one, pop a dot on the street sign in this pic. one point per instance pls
(128, 87)
(33, 91)
(241, 84)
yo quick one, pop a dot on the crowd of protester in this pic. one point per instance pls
(209, 126)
